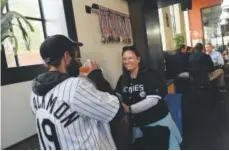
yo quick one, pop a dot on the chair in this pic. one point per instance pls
(226, 73)
(199, 78)
(182, 82)
(206, 93)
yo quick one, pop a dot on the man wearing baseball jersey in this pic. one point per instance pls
(71, 113)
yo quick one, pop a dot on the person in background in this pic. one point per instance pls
(71, 113)
(179, 63)
(216, 56)
(141, 89)
(189, 49)
(225, 54)
(203, 63)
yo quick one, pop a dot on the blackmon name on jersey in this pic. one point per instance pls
(59, 112)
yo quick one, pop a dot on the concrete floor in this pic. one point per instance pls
(206, 127)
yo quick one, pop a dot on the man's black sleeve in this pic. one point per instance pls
(101, 83)
(118, 88)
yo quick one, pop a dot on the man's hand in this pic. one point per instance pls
(92, 66)
(126, 108)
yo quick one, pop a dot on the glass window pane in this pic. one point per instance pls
(9, 53)
(26, 57)
(28, 8)
(211, 26)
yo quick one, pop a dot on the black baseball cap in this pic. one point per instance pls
(54, 47)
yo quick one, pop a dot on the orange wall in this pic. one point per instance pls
(195, 16)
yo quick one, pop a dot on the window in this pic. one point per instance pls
(28, 64)
(213, 32)
(32, 11)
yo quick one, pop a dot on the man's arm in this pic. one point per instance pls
(88, 101)
(101, 83)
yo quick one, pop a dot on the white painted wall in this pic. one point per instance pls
(17, 121)
(88, 31)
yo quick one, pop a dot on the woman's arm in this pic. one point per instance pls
(141, 106)
(144, 105)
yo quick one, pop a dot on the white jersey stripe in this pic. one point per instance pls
(81, 136)
(81, 144)
(58, 138)
(89, 113)
(83, 89)
(103, 145)
(65, 97)
(83, 99)
(63, 130)
(92, 106)
(73, 134)
(97, 96)
(54, 121)
(85, 136)
(94, 135)
(91, 97)
(100, 100)
(71, 94)
(88, 133)
(104, 142)
(106, 137)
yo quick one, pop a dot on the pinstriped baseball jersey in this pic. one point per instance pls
(75, 115)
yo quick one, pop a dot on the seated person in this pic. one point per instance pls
(179, 63)
(189, 50)
(203, 62)
(225, 55)
(216, 57)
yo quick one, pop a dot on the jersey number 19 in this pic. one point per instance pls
(47, 128)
